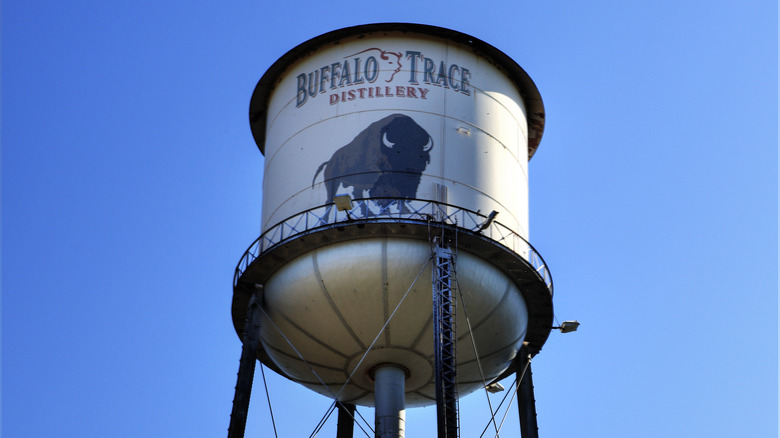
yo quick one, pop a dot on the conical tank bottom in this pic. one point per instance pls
(331, 305)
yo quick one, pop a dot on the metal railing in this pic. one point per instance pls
(388, 210)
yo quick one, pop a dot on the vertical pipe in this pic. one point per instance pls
(346, 422)
(526, 404)
(246, 370)
(389, 387)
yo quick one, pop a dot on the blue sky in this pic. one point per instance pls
(131, 187)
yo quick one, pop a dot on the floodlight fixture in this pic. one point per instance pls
(568, 326)
(494, 388)
(343, 202)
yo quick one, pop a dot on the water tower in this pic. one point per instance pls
(393, 267)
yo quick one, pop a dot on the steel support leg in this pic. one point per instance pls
(526, 404)
(346, 422)
(246, 370)
(444, 335)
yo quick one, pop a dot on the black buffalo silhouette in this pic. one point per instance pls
(385, 160)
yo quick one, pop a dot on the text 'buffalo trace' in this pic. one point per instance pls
(371, 64)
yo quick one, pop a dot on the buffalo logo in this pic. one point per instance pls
(385, 160)
(390, 60)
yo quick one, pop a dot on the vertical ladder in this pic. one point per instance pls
(444, 335)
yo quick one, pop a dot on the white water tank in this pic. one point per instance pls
(428, 131)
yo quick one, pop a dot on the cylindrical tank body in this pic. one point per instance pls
(465, 116)
(388, 112)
